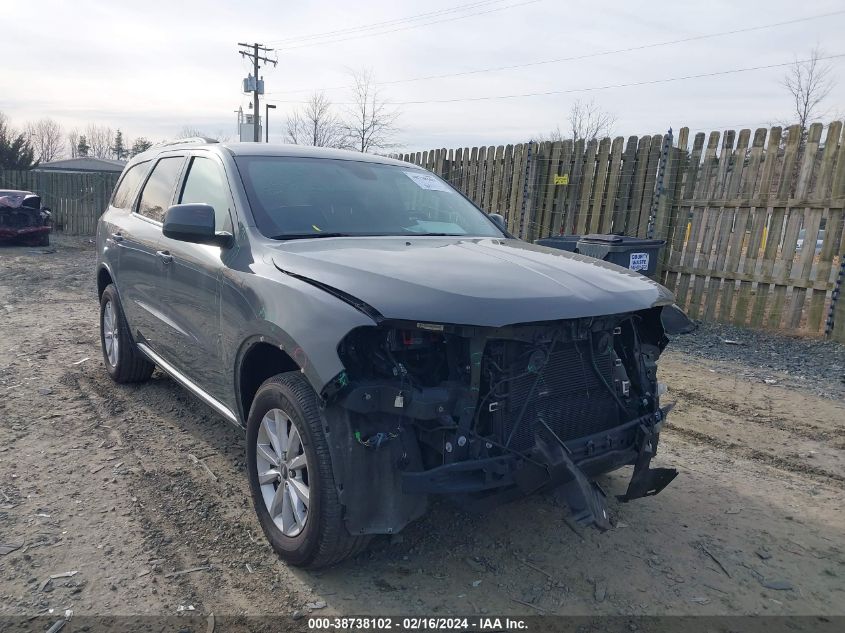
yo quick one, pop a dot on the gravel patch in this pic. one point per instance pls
(813, 364)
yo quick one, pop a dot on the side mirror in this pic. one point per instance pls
(193, 223)
(499, 221)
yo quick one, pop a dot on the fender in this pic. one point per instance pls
(277, 338)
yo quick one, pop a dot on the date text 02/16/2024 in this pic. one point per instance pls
(416, 624)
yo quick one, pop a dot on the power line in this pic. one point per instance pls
(596, 88)
(393, 22)
(411, 26)
(585, 56)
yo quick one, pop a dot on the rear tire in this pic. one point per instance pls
(285, 416)
(123, 361)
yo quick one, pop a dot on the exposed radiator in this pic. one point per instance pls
(570, 397)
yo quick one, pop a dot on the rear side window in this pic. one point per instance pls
(205, 183)
(158, 192)
(128, 187)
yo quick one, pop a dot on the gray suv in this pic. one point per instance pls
(379, 338)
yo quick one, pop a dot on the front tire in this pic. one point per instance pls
(122, 359)
(290, 476)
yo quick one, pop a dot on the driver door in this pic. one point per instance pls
(193, 281)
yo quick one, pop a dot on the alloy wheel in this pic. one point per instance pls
(111, 340)
(283, 472)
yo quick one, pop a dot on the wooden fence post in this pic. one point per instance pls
(660, 185)
(835, 325)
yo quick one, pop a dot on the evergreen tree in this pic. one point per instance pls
(141, 144)
(82, 147)
(15, 150)
(118, 147)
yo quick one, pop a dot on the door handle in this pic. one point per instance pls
(164, 256)
(117, 237)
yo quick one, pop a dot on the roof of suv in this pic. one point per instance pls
(306, 151)
(276, 149)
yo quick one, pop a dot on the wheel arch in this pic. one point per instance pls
(104, 278)
(259, 358)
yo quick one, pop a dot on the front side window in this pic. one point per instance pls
(308, 197)
(158, 192)
(128, 187)
(205, 183)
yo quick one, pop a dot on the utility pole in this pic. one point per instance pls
(255, 57)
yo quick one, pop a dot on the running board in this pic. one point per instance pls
(190, 385)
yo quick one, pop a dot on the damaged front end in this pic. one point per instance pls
(489, 414)
(23, 219)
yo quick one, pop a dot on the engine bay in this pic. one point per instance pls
(485, 392)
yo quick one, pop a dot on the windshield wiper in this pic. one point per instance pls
(436, 234)
(304, 236)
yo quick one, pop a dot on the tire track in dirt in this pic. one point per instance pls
(756, 455)
(184, 512)
(759, 417)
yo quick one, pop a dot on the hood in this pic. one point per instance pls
(474, 281)
(13, 199)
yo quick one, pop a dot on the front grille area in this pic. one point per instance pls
(569, 397)
(18, 219)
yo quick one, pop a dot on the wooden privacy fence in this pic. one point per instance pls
(753, 223)
(76, 199)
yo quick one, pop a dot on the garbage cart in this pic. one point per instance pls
(634, 253)
(562, 242)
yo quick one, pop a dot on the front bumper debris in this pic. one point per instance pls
(571, 466)
(646, 481)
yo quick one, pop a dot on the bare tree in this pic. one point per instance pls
(99, 138)
(586, 121)
(73, 142)
(189, 131)
(316, 124)
(371, 121)
(47, 139)
(589, 121)
(809, 83)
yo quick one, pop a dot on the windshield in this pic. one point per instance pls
(294, 197)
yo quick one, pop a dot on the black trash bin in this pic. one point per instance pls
(562, 242)
(634, 253)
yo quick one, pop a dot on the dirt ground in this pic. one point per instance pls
(130, 486)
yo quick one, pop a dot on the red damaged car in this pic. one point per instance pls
(23, 219)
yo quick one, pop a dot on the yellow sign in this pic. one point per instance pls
(562, 180)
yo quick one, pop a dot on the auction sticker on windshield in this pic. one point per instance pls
(427, 181)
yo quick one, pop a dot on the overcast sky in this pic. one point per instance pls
(153, 67)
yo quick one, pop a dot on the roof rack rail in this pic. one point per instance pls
(190, 139)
